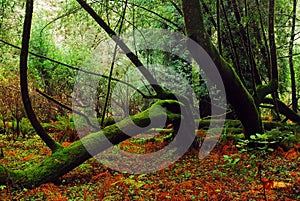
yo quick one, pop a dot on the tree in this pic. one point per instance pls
(24, 83)
(238, 96)
(291, 63)
(64, 159)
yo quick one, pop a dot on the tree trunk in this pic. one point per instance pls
(291, 59)
(284, 110)
(238, 96)
(24, 81)
(67, 158)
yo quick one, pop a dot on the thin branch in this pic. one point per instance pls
(60, 17)
(236, 58)
(66, 107)
(133, 58)
(121, 20)
(287, 43)
(273, 54)
(288, 56)
(176, 7)
(158, 15)
(265, 49)
(206, 9)
(219, 27)
(79, 69)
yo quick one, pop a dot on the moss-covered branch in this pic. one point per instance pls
(67, 158)
(284, 110)
(263, 90)
(237, 94)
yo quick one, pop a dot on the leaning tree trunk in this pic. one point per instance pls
(24, 81)
(237, 95)
(67, 158)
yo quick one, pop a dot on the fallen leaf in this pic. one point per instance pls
(281, 184)
(66, 144)
(291, 154)
(267, 184)
(169, 126)
(26, 158)
(200, 133)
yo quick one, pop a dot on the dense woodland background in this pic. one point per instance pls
(46, 44)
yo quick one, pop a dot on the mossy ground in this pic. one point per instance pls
(238, 176)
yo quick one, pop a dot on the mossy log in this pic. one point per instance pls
(237, 125)
(67, 158)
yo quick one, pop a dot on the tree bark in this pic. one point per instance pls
(24, 82)
(284, 110)
(238, 96)
(291, 59)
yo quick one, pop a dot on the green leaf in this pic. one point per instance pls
(236, 161)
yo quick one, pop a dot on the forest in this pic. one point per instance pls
(150, 100)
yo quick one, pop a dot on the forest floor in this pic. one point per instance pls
(225, 174)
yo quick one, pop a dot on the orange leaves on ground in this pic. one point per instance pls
(229, 148)
(105, 181)
(214, 156)
(125, 144)
(297, 146)
(164, 196)
(10, 153)
(66, 144)
(291, 154)
(27, 158)
(45, 151)
(51, 192)
(200, 133)
(154, 146)
(296, 175)
(281, 184)
(267, 183)
(187, 184)
(102, 175)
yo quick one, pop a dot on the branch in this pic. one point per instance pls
(288, 56)
(79, 69)
(66, 107)
(54, 146)
(283, 109)
(158, 15)
(176, 7)
(121, 20)
(263, 90)
(68, 158)
(133, 58)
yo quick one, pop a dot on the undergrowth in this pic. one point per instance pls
(233, 171)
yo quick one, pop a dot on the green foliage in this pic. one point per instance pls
(2, 187)
(48, 75)
(268, 141)
(26, 127)
(63, 128)
(231, 161)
